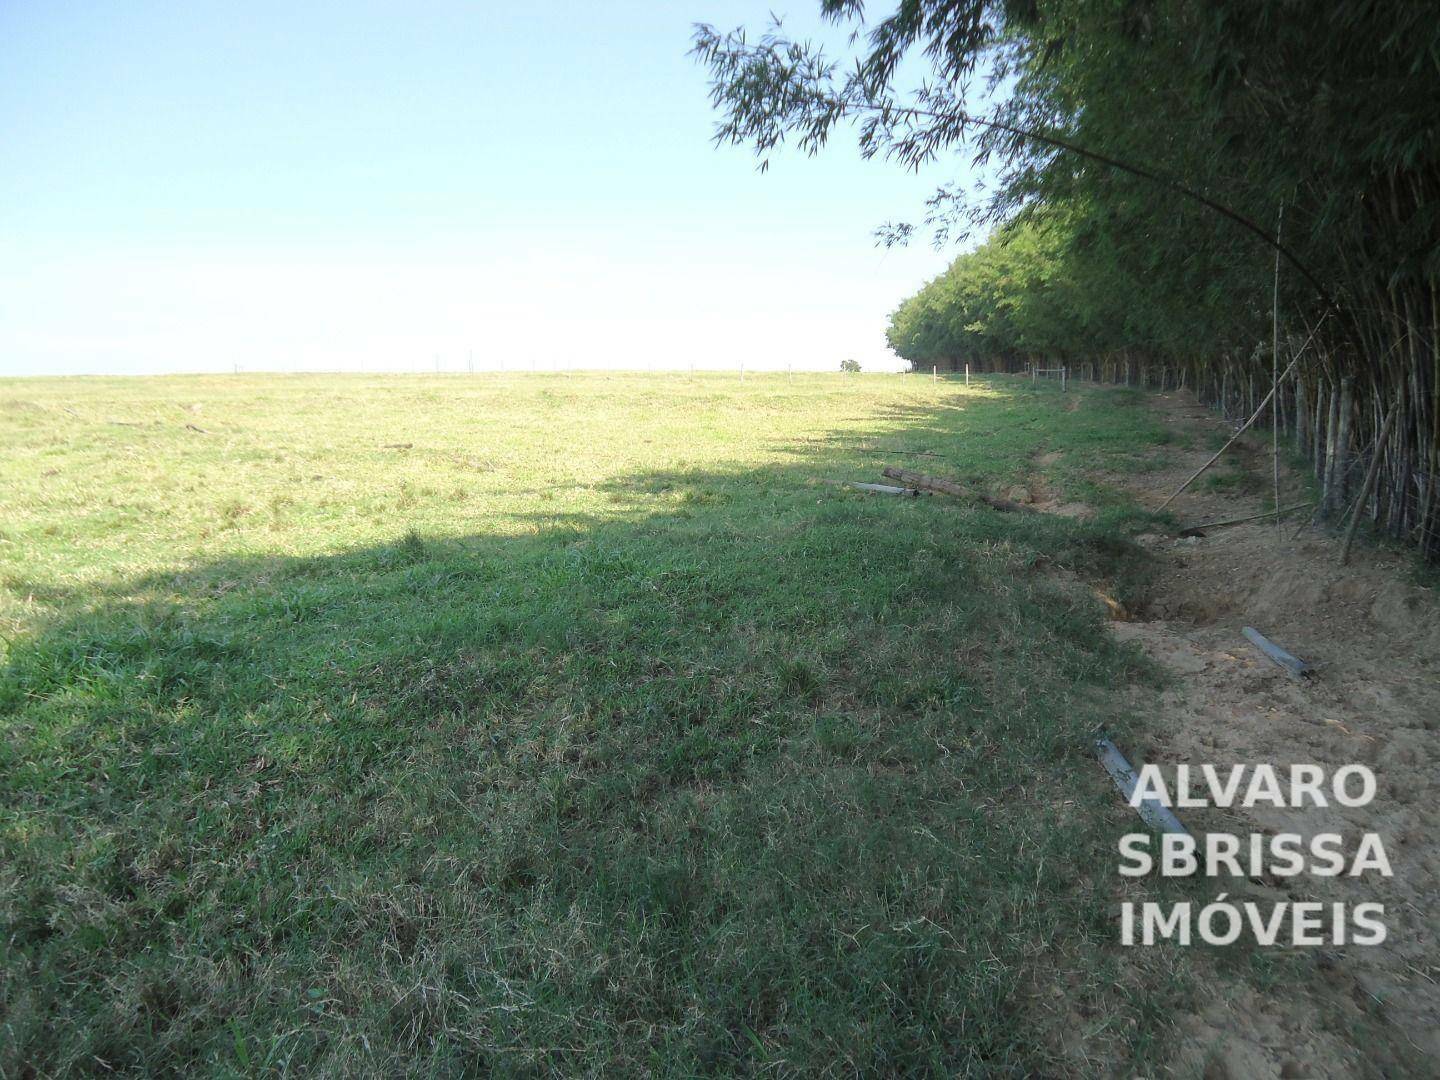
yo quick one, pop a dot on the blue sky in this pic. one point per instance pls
(312, 186)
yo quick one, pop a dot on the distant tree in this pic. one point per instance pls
(849, 365)
(1146, 154)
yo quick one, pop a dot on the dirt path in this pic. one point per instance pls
(1374, 639)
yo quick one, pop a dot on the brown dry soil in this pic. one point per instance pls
(1373, 637)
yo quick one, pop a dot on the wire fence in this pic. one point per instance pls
(438, 365)
(1060, 373)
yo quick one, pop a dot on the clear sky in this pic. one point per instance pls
(314, 185)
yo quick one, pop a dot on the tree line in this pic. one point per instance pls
(1169, 175)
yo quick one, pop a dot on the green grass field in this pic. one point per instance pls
(446, 725)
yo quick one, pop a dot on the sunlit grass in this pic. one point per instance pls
(460, 723)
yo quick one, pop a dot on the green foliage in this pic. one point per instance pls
(850, 365)
(1147, 156)
(1012, 297)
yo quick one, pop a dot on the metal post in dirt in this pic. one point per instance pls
(935, 373)
(1064, 374)
(967, 374)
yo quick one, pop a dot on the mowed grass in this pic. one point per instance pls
(534, 724)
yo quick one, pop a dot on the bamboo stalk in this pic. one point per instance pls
(1370, 476)
(1278, 514)
(1327, 500)
(1243, 428)
(1342, 439)
(1275, 375)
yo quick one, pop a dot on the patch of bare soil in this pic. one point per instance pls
(1047, 502)
(1374, 698)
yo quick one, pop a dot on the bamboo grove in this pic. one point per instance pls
(1113, 130)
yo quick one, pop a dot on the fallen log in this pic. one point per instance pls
(1199, 530)
(898, 451)
(1292, 664)
(893, 451)
(949, 487)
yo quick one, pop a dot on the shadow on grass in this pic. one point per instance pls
(750, 772)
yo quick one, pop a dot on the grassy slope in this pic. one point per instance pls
(591, 730)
